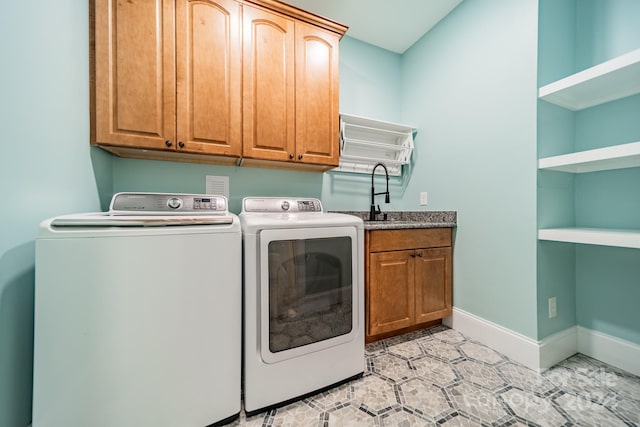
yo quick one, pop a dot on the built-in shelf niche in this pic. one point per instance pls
(609, 81)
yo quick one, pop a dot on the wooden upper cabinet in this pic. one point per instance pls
(317, 103)
(208, 68)
(134, 73)
(290, 79)
(269, 85)
(167, 75)
(215, 80)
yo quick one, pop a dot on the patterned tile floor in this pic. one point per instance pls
(438, 377)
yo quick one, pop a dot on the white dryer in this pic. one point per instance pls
(138, 314)
(303, 299)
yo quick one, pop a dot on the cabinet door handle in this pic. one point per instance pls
(291, 156)
(413, 255)
(419, 254)
(167, 143)
(181, 144)
(299, 156)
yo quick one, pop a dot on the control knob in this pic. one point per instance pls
(174, 203)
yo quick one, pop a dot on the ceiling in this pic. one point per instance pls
(390, 24)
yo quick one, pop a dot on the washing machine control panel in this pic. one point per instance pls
(167, 203)
(280, 205)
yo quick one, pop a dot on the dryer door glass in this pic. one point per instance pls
(310, 291)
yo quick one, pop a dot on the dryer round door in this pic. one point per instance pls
(308, 290)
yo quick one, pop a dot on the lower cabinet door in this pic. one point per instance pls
(391, 291)
(432, 284)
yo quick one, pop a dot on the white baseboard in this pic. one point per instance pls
(512, 344)
(608, 349)
(541, 355)
(557, 347)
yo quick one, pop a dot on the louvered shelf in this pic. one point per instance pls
(605, 82)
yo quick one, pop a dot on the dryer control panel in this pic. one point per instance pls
(167, 203)
(280, 205)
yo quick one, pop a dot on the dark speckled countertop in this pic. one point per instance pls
(408, 219)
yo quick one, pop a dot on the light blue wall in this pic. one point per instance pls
(594, 284)
(608, 279)
(556, 135)
(370, 81)
(370, 86)
(605, 29)
(470, 87)
(149, 175)
(46, 165)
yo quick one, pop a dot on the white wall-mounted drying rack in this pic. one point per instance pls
(365, 142)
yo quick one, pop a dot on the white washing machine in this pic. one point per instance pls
(138, 314)
(303, 299)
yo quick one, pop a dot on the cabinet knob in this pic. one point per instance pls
(167, 143)
(299, 156)
(291, 156)
(181, 144)
(419, 254)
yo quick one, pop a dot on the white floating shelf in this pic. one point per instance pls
(611, 80)
(593, 236)
(608, 158)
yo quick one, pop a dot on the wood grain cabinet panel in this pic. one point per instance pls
(408, 279)
(433, 284)
(290, 95)
(134, 73)
(391, 293)
(167, 76)
(317, 122)
(269, 85)
(208, 69)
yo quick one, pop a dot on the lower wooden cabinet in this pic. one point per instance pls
(408, 279)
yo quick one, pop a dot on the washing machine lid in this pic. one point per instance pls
(102, 219)
(152, 210)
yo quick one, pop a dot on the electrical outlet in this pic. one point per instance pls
(553, 309)
(423, 198)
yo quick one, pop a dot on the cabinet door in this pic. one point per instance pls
(390, 291)
(134, 73)
(208, 67)
(268, 85)
(433, 283)
(317, 116)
